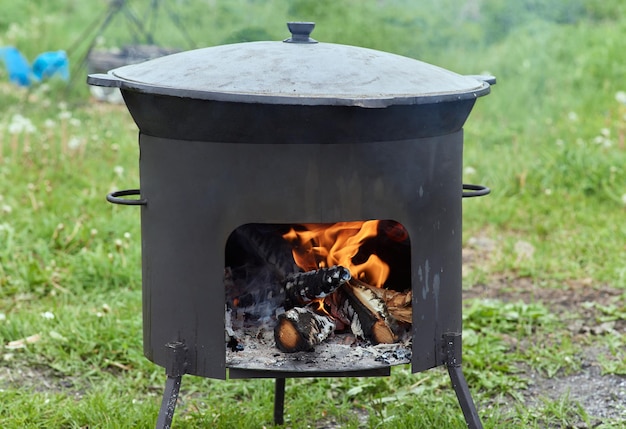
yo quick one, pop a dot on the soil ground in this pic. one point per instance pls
(603, 397)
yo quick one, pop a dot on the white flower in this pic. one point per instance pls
(3, 317)
(14, 31)
(6, 209)
(119, 170)
(74, 143)
(65, 114)
(49, 123)
(47, 315)
(469, 171)
(14, 128)
(624, 199)
(572, 116)
(20, 124)
(603, 141)
(620, 96)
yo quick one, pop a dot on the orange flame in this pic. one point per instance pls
(325, 245)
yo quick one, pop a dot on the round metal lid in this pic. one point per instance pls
(298, 71)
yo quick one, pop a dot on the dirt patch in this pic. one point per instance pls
(603, 397)
(37, 378)
(582, 306)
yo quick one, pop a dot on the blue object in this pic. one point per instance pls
(50, 64)
(46, 65)
(17, 66)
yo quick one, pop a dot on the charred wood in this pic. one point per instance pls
(370, 313)
(302, 288)
(261, 245)
(301, 329)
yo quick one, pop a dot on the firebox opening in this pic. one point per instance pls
(318, 297)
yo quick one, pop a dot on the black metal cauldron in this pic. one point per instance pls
(292, 132)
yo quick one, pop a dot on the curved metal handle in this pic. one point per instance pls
(476, 190)
(114, 197)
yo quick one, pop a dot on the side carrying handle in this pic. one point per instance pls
(475, 190)
(115, 198)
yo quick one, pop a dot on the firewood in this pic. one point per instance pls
(398, 304)
(363, 308)
(303, 288)
(301, 328)
(374, 321)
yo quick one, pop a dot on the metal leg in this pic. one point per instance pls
(168, 405)
(175, 368)
(453, 363)
(279, 401)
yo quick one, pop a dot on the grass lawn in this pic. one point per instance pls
(544, 254)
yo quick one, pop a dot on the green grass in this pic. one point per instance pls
(549, 140)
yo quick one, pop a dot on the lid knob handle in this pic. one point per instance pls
(300, 32)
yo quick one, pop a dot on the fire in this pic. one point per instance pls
(325, 245)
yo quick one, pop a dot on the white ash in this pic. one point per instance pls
(256, 350)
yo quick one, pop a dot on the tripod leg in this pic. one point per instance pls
(279, 401)
(453, 363)
(168, 405)
(175, 368)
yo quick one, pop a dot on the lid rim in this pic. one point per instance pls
(304, 100)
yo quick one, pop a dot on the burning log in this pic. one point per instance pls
(303, 288)
(397, 304)
(370, 310)
(370, 313)
(301, 328)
